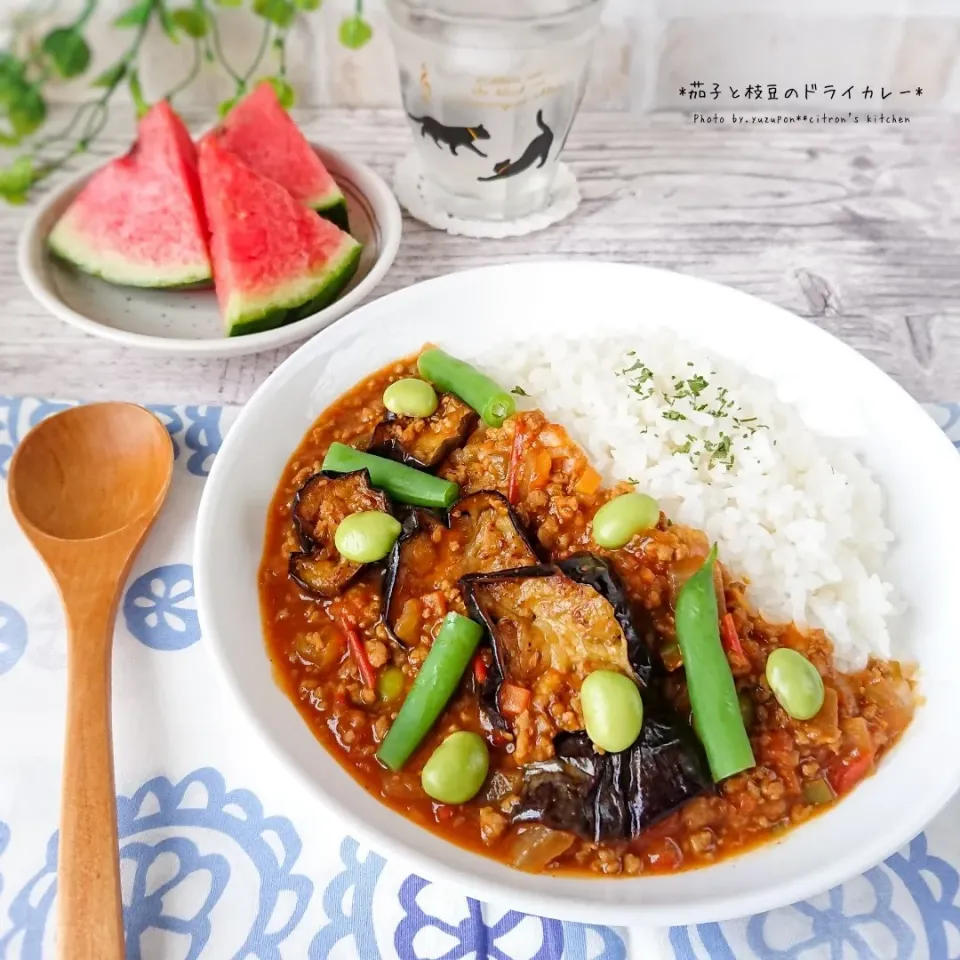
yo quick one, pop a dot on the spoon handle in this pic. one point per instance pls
(90, 906)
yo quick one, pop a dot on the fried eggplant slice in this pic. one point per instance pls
(635, 622)
(666, 767)
(616, 796)
(411, 572)
(489, 534)
(424, 442)
(558, 793)
(539, 619)
(318, 507)
(572, 616)
(480, 533)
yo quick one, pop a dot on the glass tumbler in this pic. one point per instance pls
(491, 88)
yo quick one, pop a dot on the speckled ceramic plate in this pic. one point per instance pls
(188, 321)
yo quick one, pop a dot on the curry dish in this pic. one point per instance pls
(616, 705)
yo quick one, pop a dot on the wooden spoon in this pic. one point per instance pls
(85, 486)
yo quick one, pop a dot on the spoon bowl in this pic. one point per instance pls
(106, 455)
(85, 487)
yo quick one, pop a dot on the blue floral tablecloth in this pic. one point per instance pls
(221, 858)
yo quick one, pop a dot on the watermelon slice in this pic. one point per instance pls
(274, 260)
(263, 135)
(139, 220)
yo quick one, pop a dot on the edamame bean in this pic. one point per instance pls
(367, 536)
(410, 398)
(622, 517)
(390, 684)
(457, 768)
(612, 710)
(796, 683)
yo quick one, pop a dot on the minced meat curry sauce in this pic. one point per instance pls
(514, 551)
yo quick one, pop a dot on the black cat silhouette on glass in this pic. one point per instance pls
(453, 137)
(537, 152)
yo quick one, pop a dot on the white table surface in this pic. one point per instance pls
(856, 227)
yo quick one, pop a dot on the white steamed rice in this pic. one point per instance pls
(796, 514)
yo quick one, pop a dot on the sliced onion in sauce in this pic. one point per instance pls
(535, 846)
(895, 701)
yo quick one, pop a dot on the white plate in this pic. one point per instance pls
(916, 464)
(188, 321)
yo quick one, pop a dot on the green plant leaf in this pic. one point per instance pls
(68, 50)
(136, 16)
(111, 76)
(309, 5)
(16, 179)
(11, 79)
(11, 66)
(279, 12)
(226, 106)
(166, 21)
(136, 92)
(283, 90)
(228, 3)
(355, 32)
(191, 21)
(27, 110)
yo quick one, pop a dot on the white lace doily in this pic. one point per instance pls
(421, 201)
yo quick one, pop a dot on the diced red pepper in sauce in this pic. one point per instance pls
(846, 773)
(359, 653)
(728, 635)
(480, 668)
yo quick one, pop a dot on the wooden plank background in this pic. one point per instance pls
(855, 227)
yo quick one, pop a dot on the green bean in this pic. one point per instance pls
(435, 683)
(390, 684)
(410, 398)
(612, 710)
(616, 522)
(457, 768)
(795, 682)
(367, 536)
(746, 711)
(713, 696)
(403, 483)
(474, 388)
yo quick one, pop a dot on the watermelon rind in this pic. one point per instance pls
(296, 298)
(333, 207)
(68, 243)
